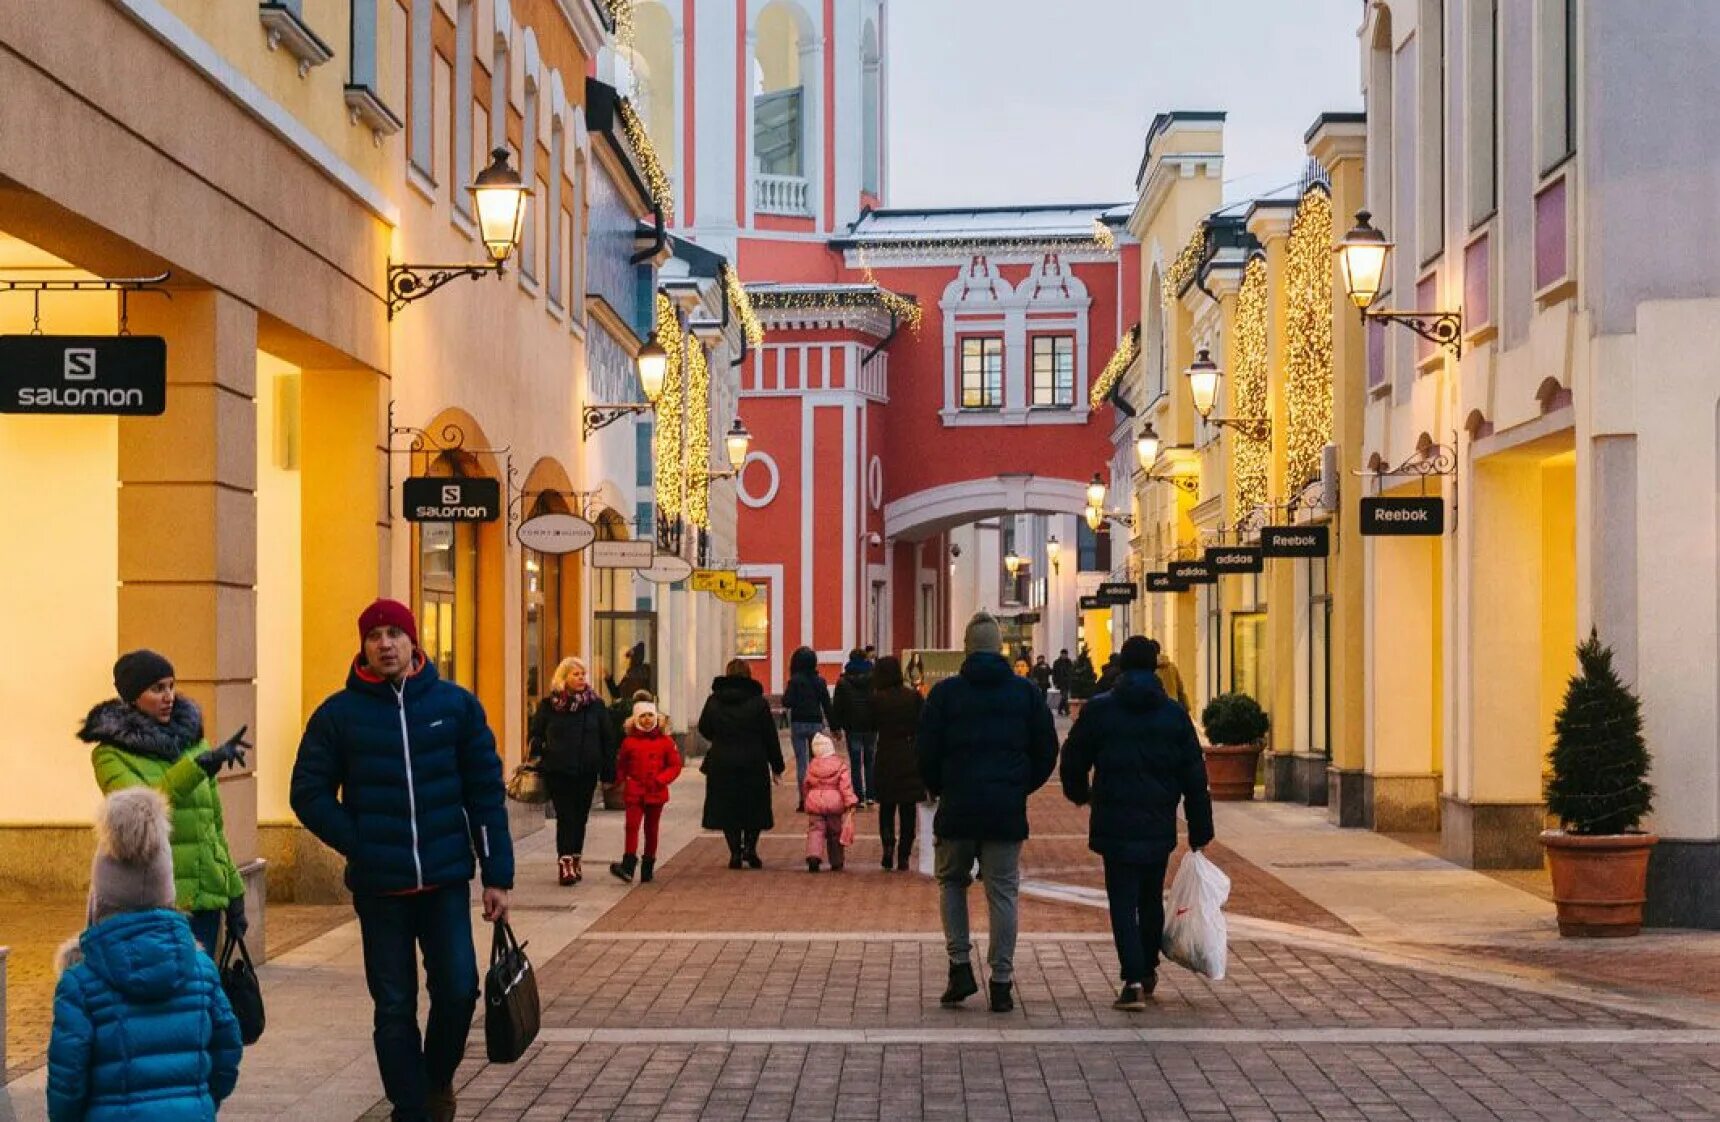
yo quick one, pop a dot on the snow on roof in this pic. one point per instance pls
(981, 223)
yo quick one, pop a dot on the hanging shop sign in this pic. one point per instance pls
(1164, 582)
(1228, 559)
(556, 533)
(1295, 541)
(666, 568)
(623, 555)
(1403, 518)
(110, 375)
(742, 593)
(1091, 604)
(1192, 572)
(713, 580)
(1117, 592)
(440, 498)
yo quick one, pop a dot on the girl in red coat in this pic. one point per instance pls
(647, 764)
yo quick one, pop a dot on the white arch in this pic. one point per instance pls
(925, 513)
(979, 282)
(1053, 284)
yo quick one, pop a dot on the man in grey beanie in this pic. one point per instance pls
(986, 742)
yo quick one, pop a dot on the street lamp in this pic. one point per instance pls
(1147, 447)
(499, 197)
(736, 444)
(1096, 492)
(1053, 550)
(1012, 562)
(652, 362)
(1203, 376)
(1095, 518)
(1362, 259)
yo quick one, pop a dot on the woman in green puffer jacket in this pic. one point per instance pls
(151, 736)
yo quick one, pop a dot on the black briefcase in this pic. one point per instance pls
(244, 992)
(510, 999)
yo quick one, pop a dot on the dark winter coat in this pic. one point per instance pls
(648, 763)
(1061, 671)
(1041, 675)
(142, 1029)
(405, 783)
(1133, 753)
(986, 742)
(574, 741)
(896, 778)
(851, 709)
(807, 696)
(745, 751)
(133, 749)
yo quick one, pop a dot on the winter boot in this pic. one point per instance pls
(647, 868)
(962, 984)
(1131, 999)
(440, 1104)
(753, 860)
(889, 844)
(735, 858)
(813, 864)
(623, 869)
(838, 858)
(564, 872)
(1001, 999)
(906, 851)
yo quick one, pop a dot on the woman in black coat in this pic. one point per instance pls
(745, 757)
(573, 739)
(896, 713)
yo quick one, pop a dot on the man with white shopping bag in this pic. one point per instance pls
(1133, 754)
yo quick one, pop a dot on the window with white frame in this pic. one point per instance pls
(364, 42)
(421, 148)
(528, 173)
(1381, 137)
(552, 213)
(1053, 371)
(1430, 131)
(464, 31)
(503, 61)
(1482, 65)
(982, 372)
(1556, 81)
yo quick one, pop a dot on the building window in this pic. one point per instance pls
(420, 144)
(363, 42)
(1430, 193)
(982, 373)
(528, 172)
(1319, 707)
(1483, 122)
(1054, 371)
(552, 215)
(503, 61)
(462, 172)
(752, 625)
(1556, 79)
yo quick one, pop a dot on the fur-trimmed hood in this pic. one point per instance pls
(127, 727)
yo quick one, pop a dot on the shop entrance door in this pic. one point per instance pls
(624, 649)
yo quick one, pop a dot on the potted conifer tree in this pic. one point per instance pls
(1600, 793)
(1235, 733)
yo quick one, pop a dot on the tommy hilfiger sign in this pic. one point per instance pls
(1164, 582)
(1295, 541)
(1192, 572)
(113, 375)
(444, 499)
(1236, 559)
(1414, 517)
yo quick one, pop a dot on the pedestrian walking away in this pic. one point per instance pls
(142, 1029)
(398, 773)
(851, 710)
(896, 711)
(573, 739)
(1041, 675)
(830, 803)
(1133, 754)
(1062, 673)
(648, 763)
(807, 701)
(986, 742)
(152, 736)
(743, 761)
(1170, 678)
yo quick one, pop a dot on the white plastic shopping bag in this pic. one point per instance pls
(924, 814)
(1195, 931)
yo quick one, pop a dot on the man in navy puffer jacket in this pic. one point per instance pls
(398, 773)
(1134, 755)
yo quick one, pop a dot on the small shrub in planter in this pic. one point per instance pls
(1234, 718)
(1600, 793)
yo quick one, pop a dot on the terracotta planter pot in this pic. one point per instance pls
(1599, 882)
(1230, 771)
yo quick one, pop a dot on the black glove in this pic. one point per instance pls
(231, 753)
(236, 922)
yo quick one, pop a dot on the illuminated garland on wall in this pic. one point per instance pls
(1102, 235)
(882, 299)
(1128, 347)
(1181, 270)
(621, 15)
(741, 304)
(1250, 456)
(1308, 339)
(666, 441)
(698, 435)
(656, 179)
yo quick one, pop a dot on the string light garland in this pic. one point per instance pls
(656, 179)
(1127, 348)
(698, 482)
(1181, 269)
(621, 15)
(740, 302)
(1102, 235)
(882, 299)
(1250, 456)
(1308, 338)
(666, 441)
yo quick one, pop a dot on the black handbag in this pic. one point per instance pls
(244, 991)
(510, 998)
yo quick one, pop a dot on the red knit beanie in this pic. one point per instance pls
(387, 613)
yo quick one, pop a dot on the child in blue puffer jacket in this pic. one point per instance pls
(142, 1028)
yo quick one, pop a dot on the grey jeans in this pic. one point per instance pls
(1000, 866)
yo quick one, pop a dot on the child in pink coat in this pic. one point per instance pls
(830, 803)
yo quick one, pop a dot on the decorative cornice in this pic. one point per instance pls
(871, 321)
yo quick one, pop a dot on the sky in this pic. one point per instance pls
(1040, 101)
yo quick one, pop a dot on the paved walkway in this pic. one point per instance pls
(1368, 981)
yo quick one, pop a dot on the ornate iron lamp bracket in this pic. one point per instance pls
(602, 416)
(407, 283)
(1443, 329)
